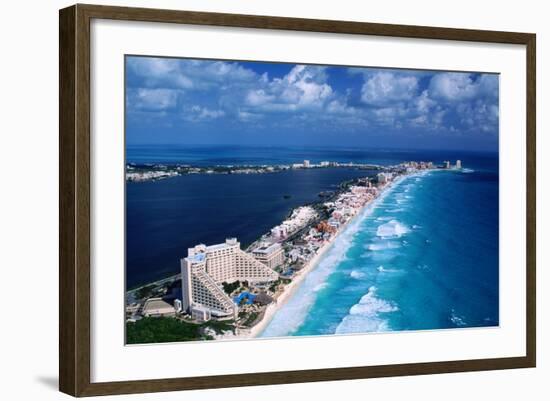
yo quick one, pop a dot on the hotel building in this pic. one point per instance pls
(206, 267)
(271, 255)
(383, 178)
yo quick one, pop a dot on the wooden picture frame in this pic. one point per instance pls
(74, 199)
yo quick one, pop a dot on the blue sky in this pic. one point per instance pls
(190, 102)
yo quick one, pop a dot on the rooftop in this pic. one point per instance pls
(267, 248)
(198, 257)
(228, 243)
(157, 304)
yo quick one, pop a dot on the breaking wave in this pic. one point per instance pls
(392, 229)
(457, 320)
(357, 274)
(319, 287)
(365, 316)
(382, 246)
(292, 314)
(382, 269)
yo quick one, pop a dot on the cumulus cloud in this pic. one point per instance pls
(246, 116)
(197, 113)
(188, 74)
(258, 97)
(310, 97)
(423, 103)
(456, 87)
(387, 87)
(478, 115)
(340, 106)
(159, 72)
(304, 87)
(152, 99)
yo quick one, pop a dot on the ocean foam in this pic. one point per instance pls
(457, 320)
(384, 245)
(357, 274)
(365, 316)
(467, 170)
(400, 209)
(392, 229)
(382, 269)
(319, 287)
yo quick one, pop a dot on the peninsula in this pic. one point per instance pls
(226, 292)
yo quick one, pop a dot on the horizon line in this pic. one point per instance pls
(335, 147)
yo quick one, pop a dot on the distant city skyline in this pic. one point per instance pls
(206, 102)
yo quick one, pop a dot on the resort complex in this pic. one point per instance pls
(270, 254)
(205, 269)
(243, 288)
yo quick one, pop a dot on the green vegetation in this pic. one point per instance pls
(281, 280)
(166, 329)
(229, 288)
(220, 326)
(161, 330)
(251, 318)
(273, 287)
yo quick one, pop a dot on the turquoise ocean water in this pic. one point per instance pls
(422, 256)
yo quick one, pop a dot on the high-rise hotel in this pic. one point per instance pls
(206, 267)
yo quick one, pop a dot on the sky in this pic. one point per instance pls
(202, 102)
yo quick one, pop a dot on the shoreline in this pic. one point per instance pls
(362, 204)
(312, 264)
(147, 172)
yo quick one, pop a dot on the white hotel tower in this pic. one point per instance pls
(206, 267)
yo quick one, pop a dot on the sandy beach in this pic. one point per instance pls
(291, 288)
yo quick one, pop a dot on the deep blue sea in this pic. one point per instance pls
(164, 218)
(423, 256)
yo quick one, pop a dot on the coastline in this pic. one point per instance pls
(312, 264)
(359, 212)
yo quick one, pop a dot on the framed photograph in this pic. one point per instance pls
(250, 200)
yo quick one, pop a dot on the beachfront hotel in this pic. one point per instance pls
(206, 267)
(383, 178)
(297, 220)
(271, 255)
